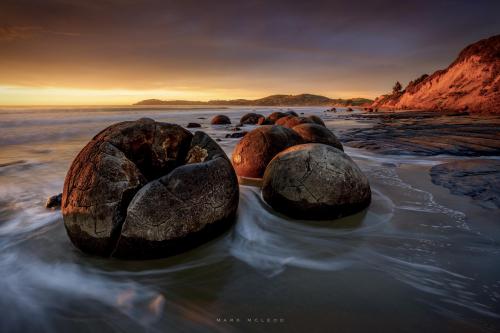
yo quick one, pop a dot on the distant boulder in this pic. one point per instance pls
(251, 119)
(221, 120)
(291, 121)
(314, 133)
(316, 120)
(273, 117)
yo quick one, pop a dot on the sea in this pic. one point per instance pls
(419, 259)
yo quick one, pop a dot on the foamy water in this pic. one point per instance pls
(417, 259)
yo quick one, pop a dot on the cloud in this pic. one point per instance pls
(17, 32)
(11, 33)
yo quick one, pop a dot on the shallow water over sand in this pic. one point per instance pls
(418, 259)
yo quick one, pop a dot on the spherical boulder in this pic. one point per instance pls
(251, 119)
(314, 133)
(291, 121)
(275, 116)
(252, 154)
(264, 121)
(317, 120)
(144, 189)
(220, 120)
(315, 181)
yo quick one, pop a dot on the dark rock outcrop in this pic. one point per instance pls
(478, 179)
(427, 133)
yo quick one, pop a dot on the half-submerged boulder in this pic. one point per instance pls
(314, 133)
(315, 181)
(252, 154)
(291, 121)
(275, 116)
(317, 120)
(221, 120)
(251, 119)
(144, 189)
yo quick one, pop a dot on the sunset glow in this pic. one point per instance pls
(75, 52)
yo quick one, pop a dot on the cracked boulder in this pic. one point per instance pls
(315, 181)
(144, 189)
(257, 148)
(314, 133)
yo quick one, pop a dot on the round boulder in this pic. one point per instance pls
(314, 133)
(144, 189)
(315, 181)
(317, 120)
(291, 121)
(220, 120)
(275, 116)
(252, 154)
(251, 119)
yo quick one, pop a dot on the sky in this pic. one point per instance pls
(66, 52)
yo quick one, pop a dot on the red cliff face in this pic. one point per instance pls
(471, 82)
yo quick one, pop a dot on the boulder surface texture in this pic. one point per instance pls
(145, 189)
(315, 181)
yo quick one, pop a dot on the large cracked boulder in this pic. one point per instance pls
(315, 181)
(144, 189)
(252, 154)
(314, 133)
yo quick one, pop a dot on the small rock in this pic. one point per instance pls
(236, 135)
(54, 202)
(193, 125)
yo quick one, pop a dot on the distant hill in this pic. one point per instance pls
(273, 100)
(471, 82)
